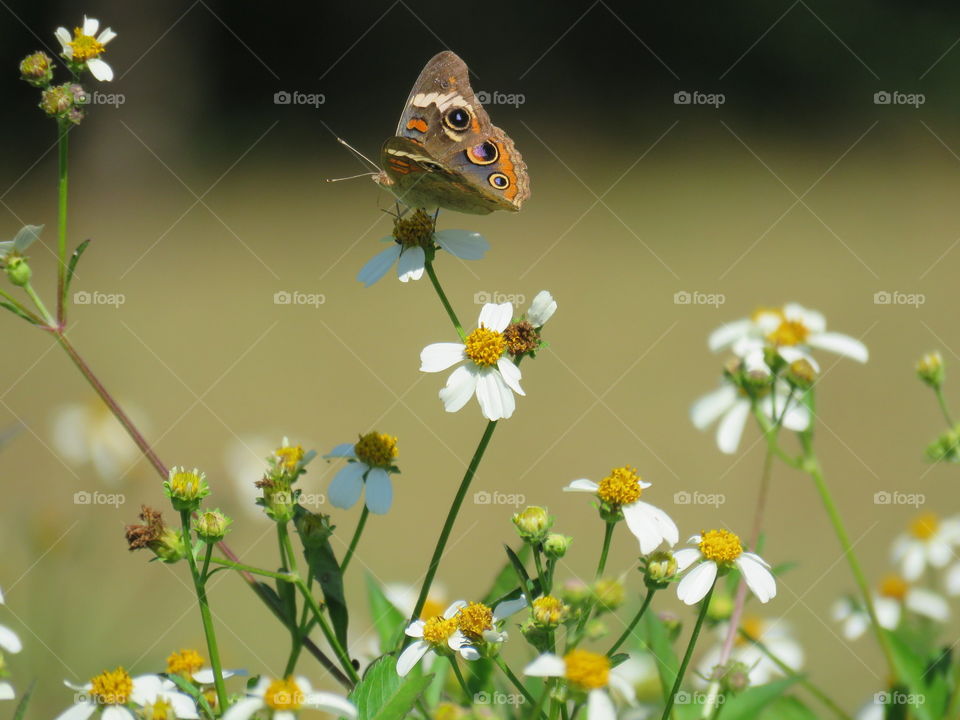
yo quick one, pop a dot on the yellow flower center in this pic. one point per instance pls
(283, 695)
(376, 449)
(160, 710)
(790, 332)
(894, 586)
(925, 526)
(85, 47)
(474, 619)
(548, 610)
(289, 457)
(587, 670)
(185, 662)
(721, 546)
(112, 687)
(437, 630)
(185, 484)
(620, 487)
(485, 346)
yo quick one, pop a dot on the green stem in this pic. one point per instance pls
(356, 539)
(704, 604)
(443, 299)
(633, 623)
(47, 317)
(338, 650)
(514, 680)
(21, 307)
(463, 683)
(452, 518)
(205, 615)
(286, 577)
(63, 130)
(288, 561)
(541, 576)
(607, 537)
(938, 391)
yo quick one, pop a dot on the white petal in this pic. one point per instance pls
(697, 583)
(686, 557)
(496, 317)
(643, 526)
(410, 657)
(600, 706)
(731, 427)
(463, 244)
(65, 38)
(858, 623)
(495, 398)
(461, 385)
(797, 417)
(378, 265)
(115, 712)
(26, 236)
(509, 607)
(343, 450)
(511, 374)
(914, 562)
(582, 485)
(205, 675)
(106, 36)
(90, 26)
(725, 335)
(439, 356)
(9, 640)
(888, 612)
(840, 344)
(331, 703)
(80, 711)
(415, 629)
(952, 581)
(454, 608)
(468, 652)
(811, 319)
(541, 309)
(668, 528)
(758, 578)
(939, 553)
(100, 70)
(6, 691)
(379, 493)
(183, 705)
(346, 486)
(547, 665)
(243, 709)
(927, 603)
(411, 264)
(712, 405)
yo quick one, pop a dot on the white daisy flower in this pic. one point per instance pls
(541, 309)
(85, 46)
(371, 461)
(487, 372)
(620, 492)
(776, 636)
(283, 698)
(720, 551)
(89, 434)
(930, 542)
(114, 694)
(587, 673)
(893, 597)
(481, 626)
(436, 635)
(25, 237)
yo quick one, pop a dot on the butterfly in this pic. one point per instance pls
(446, 153)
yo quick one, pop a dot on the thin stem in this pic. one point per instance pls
(356, 539)
(205, 615)
(633, 623)
(20, 307)
(63, 130)
(338, 650)
(607, 537)
(460, 680)
(443, 299)
(501, 663)
(288, 561)
(452, 518)
(704, 604)
(938, 391)
(285, 577)
(40, 306)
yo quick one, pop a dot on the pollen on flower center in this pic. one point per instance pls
(437, 630)
(587, 670)
(894, 586)
(790, 332)
(376, 449)
(185, 662)
(620, 487)
(925, 526)
(721, 546)
(474, 619)
(414, 231)
(485, 346)
(112, 687)
(85, 47)
(283, 695)
(549, 610)
(289, 457)
(160, 710)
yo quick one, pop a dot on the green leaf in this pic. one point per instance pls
(526, 585)
(911, 669)
(661, 646)
(16, 311)
(505, 584)
(748, 704)
(788, 707)
(619, 659)
(387, 619)
(384, 695)
(21, 710)
(72, 266)
(314, 531)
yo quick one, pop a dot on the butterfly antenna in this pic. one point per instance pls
(351, 177)
(359, 154)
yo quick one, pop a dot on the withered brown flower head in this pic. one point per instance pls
(141, 536)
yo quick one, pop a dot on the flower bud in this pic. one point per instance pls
(609, 593)
(211, 526)
(18, 270)
(555, 545)
(37, 69)
(576, 592)
(314, 529)
(57, 101)
(945, 448)
(721, 606)
(661, 567)
(595, 629)
(801, 374)
(930, 369)
(532, 523)
(186, 488)
(549, 611)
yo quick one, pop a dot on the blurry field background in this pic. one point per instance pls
(203, 199)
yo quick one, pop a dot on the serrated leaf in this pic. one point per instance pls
(387, 619)
(748, 704)
(72, 266)
(384, 695)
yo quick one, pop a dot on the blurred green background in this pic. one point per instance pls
(203, 199)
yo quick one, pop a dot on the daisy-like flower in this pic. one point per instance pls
(717, 552)
(776, 636)
(487, 372)
(929, 542)
(85, 46)
(413, 238)
(587, 673)
(892, 597)
(438, 635)
(481, 626)
(114, 693)
(282, 698)
(371, 461)
(89, 434)
(619, 493)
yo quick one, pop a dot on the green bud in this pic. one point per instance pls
(930, 369)
(57, 101)
(661, 567)
(211, 526)
(37, 69)
(532, 523)
(18, 270)
(801, 374)
(609, 593)
(555, 545)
